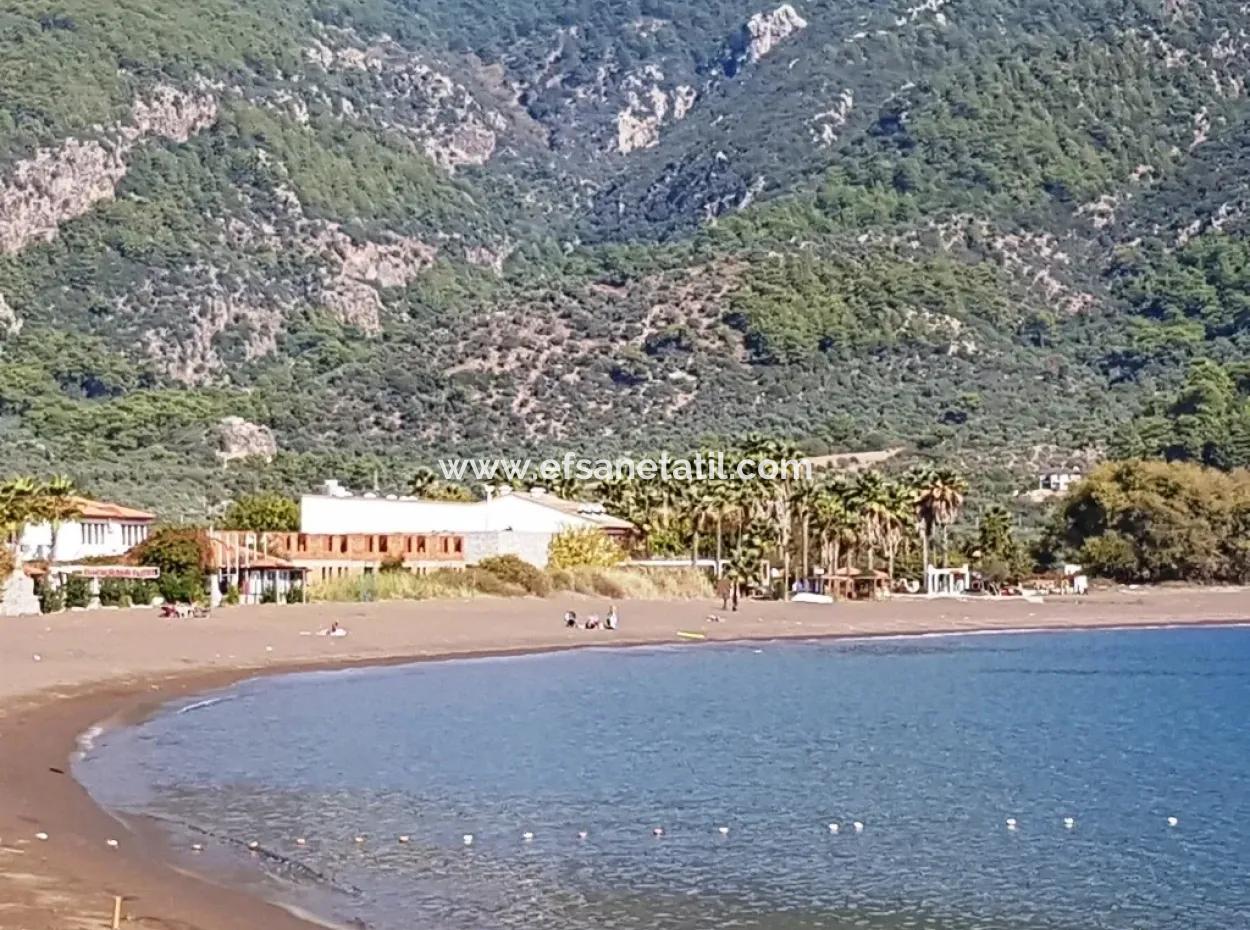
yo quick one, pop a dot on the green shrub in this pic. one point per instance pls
(484, 582)
(143, 591)
(115, 592)
(269, 595)
(295, 594)
(515, 570)
(583, 548)
(231, 597)
(51, 600)
(393, 563)
(77, 591)
(182, 587)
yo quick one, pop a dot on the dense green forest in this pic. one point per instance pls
(379, 232)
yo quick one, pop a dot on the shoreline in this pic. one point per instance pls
(70, 878)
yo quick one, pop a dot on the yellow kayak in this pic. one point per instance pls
(687, 635)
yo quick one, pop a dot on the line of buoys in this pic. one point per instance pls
(527, 836)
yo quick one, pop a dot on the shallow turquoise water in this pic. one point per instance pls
(931, 743)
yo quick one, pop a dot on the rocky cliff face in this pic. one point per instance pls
(57, 185)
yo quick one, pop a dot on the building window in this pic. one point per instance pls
(93, 533)
(382, 543)
(132, 534)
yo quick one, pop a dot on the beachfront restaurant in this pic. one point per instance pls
(239, 560)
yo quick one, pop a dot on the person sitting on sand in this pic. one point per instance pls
(334, 630)
(592, 622)
(611, 620)
(570, 618)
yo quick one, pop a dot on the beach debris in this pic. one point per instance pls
(834, 828)
(41, 835)
(403, 838)
(1011, 823)
(859, 827)
(527, 836)
(468, 839)
(111, 844)
(657, 831)
(1172, 821)
(723, 831)
(1069, 822)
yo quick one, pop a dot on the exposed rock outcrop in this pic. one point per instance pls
(648, 106)
(358, 271)
(444, 117)
(763, 32)
(238, 438)
(825, 125)
(10, 322)
(56, 185)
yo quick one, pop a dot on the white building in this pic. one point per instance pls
(100, 529)
(1058, 481)
(507, 523)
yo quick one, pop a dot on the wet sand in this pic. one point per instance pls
(116, 666)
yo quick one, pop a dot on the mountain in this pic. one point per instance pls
(260, 242)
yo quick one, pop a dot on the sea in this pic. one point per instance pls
(1029, 781)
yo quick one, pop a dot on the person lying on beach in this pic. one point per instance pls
(334, 630)
(570, 618)
(592, 622)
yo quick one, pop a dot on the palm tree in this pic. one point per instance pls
(60, 503)
(951, 488)
(835, 523)
(870, 499)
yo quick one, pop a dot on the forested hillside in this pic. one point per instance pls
(261, 242)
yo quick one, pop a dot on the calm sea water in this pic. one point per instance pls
(931, 743)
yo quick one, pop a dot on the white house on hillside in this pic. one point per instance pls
(100, 529)
(510, 522)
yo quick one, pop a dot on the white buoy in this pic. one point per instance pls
(1011, 823)
(834, 828)
(111, 844)
(196, 847)
(1069, 822)
(527, 836)
(582, 834)
(1172, 821)
(253, 845)
(300, 841)
(859, 827)
(37, 657)
(468, 839)
(403, 838)
(359, 840)
(723, 831)
(657, 831)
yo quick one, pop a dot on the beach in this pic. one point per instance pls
(62, 674)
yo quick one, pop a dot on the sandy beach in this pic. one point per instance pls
(60, 675)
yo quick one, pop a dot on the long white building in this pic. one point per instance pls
(101, 529)
(511, 522)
